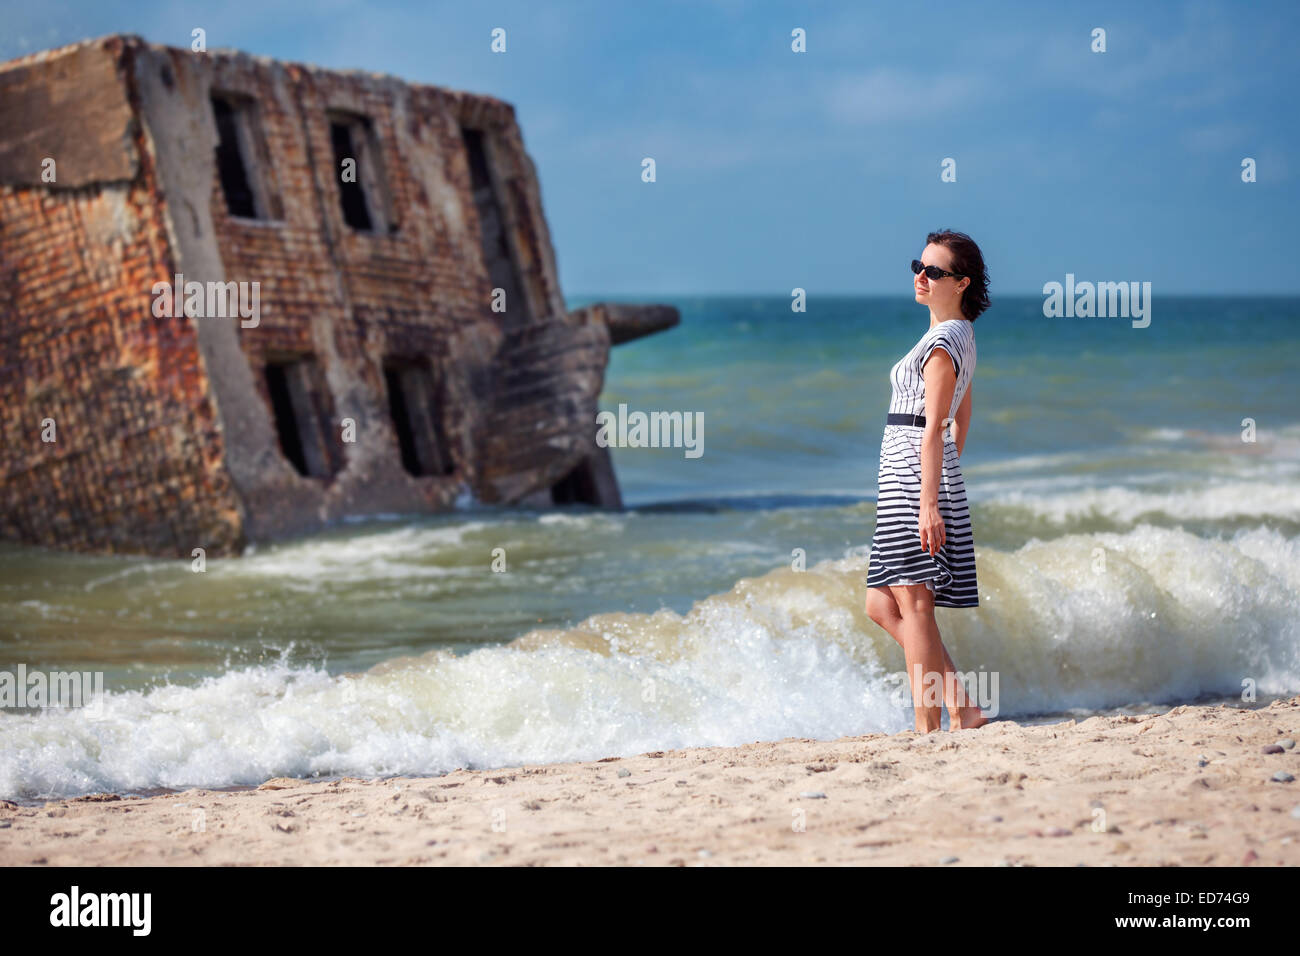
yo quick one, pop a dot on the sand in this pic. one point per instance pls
(1121, 791)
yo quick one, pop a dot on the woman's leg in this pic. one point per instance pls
(922, 649)
(883, 607)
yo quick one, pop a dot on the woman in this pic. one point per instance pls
(923, 552)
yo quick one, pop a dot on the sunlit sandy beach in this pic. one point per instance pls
(1124, 791)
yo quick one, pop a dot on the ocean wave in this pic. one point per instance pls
(1219, 501)
(1076, 622)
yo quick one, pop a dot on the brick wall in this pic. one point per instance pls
(167, 437)
(137, 465)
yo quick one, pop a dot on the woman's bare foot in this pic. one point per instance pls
(968, 718)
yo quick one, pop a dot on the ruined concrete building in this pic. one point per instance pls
(379, 342)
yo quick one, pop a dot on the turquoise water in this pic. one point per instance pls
(393, 647)
(794, 403)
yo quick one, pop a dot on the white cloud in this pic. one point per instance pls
(1218, 136)
(885, 96)
(672, 146)
(1138, 60)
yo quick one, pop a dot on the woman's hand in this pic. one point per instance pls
(930, 526)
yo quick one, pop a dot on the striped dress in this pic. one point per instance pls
(896, 554)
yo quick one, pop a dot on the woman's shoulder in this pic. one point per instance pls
(958, 330)
(946, 333)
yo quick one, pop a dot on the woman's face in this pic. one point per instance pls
(943, 296)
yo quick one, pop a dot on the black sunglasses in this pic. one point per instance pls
(933, 272)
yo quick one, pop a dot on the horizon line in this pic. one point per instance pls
(613, 296)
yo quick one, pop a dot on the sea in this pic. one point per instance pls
(1135, 501)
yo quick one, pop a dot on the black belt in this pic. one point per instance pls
(898, 418)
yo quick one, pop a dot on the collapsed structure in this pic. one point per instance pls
(241, 299)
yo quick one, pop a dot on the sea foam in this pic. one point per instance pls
(1083, 621)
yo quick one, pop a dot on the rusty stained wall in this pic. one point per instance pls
(521, 387)
(137, 465)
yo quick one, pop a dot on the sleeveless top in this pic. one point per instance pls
(957, 338)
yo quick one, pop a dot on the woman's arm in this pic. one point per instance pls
(963, 420)
(940, 383)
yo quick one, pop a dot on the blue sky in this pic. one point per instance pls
(822, 170)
